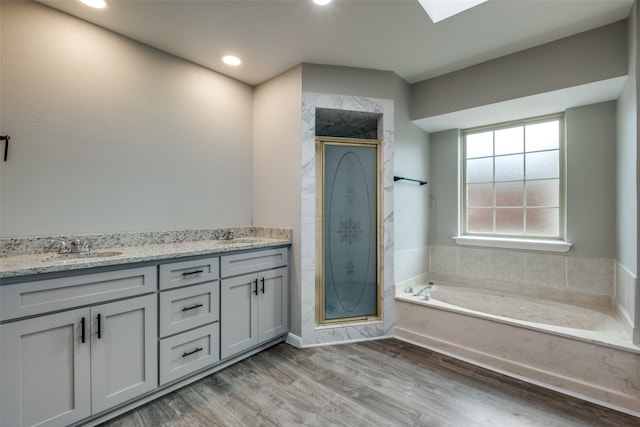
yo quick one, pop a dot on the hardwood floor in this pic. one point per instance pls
(375, 383)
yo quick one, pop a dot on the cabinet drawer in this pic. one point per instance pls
(188, 272)
(232, 265)
(189, 307)
(38, 297)
(185, 353)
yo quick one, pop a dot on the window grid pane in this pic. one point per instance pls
(512, 180)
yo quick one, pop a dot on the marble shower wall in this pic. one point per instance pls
(312, 334)
(566, 278)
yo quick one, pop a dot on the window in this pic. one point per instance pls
(513, 180)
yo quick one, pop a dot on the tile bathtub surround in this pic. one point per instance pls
(576, 279)
(626, 293)
(16, 246)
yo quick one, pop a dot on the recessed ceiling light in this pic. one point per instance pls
(231, 60)
(321, 2)
(98, 4)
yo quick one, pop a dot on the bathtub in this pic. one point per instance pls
(578, 350)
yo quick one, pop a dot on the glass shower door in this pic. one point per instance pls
(350, 231)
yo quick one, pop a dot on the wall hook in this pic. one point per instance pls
(6, 145)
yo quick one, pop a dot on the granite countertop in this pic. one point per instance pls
(27, 256)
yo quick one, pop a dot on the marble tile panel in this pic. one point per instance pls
(473, 263)
(546, 270)
(626, 292)
(308, 307)
(591, 275)
(506, 266)
(349, 333)
(411, 263)
(443, 259)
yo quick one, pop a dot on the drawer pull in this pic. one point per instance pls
(82, 325)
(192, 307)
(189, 273)
(99, 326)
(185, 354)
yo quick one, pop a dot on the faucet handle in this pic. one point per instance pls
(64, 247)
(86, 246)
(53, 245)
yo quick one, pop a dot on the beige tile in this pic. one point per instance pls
(506, 266)
(590, 275)
(473, 263)
(545, 270)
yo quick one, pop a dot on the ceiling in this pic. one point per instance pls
(272, 36)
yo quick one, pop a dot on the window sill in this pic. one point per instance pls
(506, 243)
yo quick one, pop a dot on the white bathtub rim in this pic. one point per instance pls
(493, 368)
(604, 338)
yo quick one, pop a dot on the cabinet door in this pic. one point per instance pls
(124, 359)
(238, 314)
(273, 309)
(45, 370)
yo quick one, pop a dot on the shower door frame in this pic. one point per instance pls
(321, 143)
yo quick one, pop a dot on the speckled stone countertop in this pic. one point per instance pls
(27, 256)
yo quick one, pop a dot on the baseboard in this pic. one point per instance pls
(294, 340)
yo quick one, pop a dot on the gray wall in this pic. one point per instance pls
(347, 81)
(444, 187)
(111, 135)
(587, 57)
(277, 169)
(591, 160)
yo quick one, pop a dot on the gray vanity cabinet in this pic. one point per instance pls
(58, 368)
(254, 305)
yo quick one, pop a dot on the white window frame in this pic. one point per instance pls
(541, 243)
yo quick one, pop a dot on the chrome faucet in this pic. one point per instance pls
(224, 235)
(421, 291)
(73, 246)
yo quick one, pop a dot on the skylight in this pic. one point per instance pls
(439, 10)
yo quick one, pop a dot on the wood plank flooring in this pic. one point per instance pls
(375, 383)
